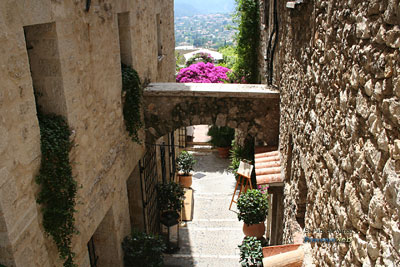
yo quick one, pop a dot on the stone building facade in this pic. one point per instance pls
(70, 52)
(337, 66)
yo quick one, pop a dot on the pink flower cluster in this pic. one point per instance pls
(263, 189)
(203, 73)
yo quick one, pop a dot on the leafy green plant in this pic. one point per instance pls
(185, 162)
(221, 136)
(141, 249)
(170, 196)
(200, 57)
(57, 187)
(253, 207)
(229, 57)
(251, 252)
(238, 153)
(132, 94)
(179, 61)
(248, 39)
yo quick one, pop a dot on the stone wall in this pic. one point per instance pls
(83, 70)
(338, 74)
(244, 107)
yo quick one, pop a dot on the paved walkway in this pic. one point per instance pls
(212, 238)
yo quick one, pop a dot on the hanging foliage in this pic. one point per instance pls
(132, 91)
(57, 187)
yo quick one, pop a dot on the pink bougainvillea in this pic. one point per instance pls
(203, 73)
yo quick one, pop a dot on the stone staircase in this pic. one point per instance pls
(212, 238)
(199, 147)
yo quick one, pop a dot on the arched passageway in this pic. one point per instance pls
(253, 109)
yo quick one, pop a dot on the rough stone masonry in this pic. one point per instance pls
(337, 68)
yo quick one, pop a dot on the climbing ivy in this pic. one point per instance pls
(248, 39)
(57, 186)
(132, 91)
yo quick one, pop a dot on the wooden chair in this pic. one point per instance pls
(243, 181)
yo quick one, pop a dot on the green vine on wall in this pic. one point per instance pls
(57, 187)
(248, 39)
(132, 92)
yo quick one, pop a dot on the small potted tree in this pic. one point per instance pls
(253, 210)
(141, 249)
(170, 199)
(221, 138)
(185, 163)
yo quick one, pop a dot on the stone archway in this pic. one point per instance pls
(253, 109)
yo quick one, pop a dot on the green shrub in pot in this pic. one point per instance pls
(221, 136)
(253, 207)
(170, 200)
(141, 249)
(170, 196)
(185, 163)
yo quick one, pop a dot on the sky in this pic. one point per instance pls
(195, 7)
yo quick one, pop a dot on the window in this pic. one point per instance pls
(159, 38)
(125, 38)
(44, 61)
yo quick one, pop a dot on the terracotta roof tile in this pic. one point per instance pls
(266, 154)
(267, 159)
(268, 168)
(268, 164)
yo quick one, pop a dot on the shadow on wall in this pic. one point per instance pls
(301, 29)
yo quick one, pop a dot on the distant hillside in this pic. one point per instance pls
(201, 7)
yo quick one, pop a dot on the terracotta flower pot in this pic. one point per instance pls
(256, 230)
(274, 250)
(223, 152)
(185, 180)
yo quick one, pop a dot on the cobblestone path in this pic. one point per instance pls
(213, 236)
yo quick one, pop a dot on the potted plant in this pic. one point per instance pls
(185, 163)
(141, 249)
(170, 199)
(251, 253)
(221, 138)
(253, 210)
(239, 153)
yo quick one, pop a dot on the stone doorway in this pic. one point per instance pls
(103, 247)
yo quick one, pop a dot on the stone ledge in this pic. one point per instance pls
(211, 90)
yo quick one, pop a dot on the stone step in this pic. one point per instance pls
(179, 260)
(213, 207)
(212, 224)
(201, 242)
(197, 143)
(200, 148)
